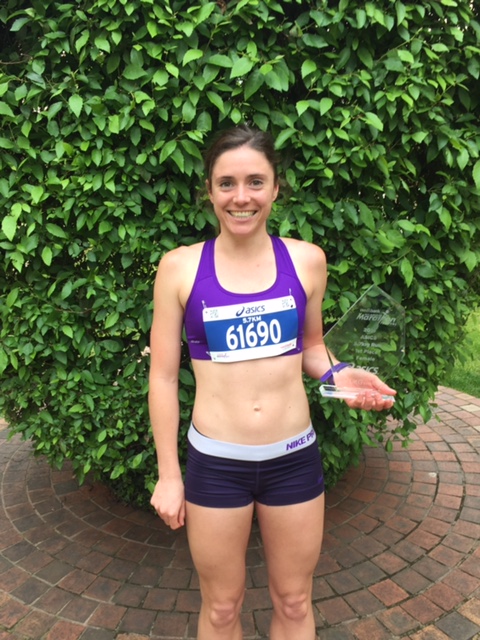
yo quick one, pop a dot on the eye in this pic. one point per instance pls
(225, 184)
(257, 183)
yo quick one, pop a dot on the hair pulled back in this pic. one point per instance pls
(238, 137)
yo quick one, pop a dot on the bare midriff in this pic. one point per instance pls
(253, 402)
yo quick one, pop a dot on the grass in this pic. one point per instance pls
(465, 376)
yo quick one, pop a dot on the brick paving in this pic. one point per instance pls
(401, 556)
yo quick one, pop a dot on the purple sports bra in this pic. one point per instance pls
(230, 327)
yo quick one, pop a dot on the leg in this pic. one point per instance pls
(292, 538)
(218, 540)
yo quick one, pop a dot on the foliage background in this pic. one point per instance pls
(106, 106)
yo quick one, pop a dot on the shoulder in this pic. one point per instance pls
(178, 262)
(177, 269)
(310, 264)
(181, 257)
(305, 254)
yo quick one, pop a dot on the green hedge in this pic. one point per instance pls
(106, 106)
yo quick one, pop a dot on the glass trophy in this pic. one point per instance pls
(370, 336)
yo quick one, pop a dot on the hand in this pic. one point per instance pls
(168, 500)
(373, 389)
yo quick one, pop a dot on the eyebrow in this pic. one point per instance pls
(249, 177)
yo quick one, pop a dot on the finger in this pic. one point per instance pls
(181, 515)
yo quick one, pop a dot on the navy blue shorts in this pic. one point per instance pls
(216, 482)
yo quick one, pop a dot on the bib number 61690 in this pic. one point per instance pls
(256, 334)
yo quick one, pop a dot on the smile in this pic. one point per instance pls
(242, 214)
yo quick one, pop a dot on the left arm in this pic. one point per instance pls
(316, 361)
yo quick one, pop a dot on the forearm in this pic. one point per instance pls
(317, 361)
(164, 419)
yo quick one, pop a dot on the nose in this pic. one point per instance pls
(241, 194)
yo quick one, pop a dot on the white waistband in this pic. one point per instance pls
(249, 452)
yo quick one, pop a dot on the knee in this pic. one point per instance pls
(293, 607)
(224, 614)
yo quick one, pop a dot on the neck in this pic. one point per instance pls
(244, 246)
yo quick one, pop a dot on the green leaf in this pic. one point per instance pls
(4, 360)
(167, 150)
(191, 55)
(75, 103)
(405, 56)
(205, 12)
(103, 44)
(366, 57)
(308, 67)
(419, 136)
(221, 60)
(55, 230)
(361, 17)
(445, 217)
(216, 100)
(101, 451)
(373, 120)
(342, 134)
(476, 174)
(172, 69)
(406, 270)
(47, 256)
(160, 78)
(112, 346)
(186, 378)
(114, 123)
(82, 40)
(136, 461)
(188, 111)
(133, 72)
(5, 110)
(9, 226)
(325, 105)
(440, 47)
(241, 67)
(314, 40)
(274, 81)
(67, 330)
(118, 471)
(18, 23)
(37, 193)
(66, 290)
(5, 143)
(254, 82)
(12, 297)
(366, 216)
(463, 158)
(470, 258)
(284, 135)
(401, 11)
(302, 106)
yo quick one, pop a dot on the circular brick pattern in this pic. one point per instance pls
(401, 553)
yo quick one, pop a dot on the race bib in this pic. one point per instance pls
(250, 331)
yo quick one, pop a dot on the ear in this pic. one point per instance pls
(275, 191)
(209, 189)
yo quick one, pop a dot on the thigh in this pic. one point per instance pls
(218, 540)
(292, 538)
(211, 481)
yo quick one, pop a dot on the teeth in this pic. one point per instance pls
(242, 214)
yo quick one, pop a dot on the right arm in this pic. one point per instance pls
(165, 342)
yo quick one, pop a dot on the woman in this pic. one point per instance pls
(251, 307)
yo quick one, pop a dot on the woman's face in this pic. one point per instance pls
(242, 189)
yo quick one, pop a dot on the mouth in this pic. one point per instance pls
(242, 214)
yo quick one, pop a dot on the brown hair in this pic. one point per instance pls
(238, 137)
